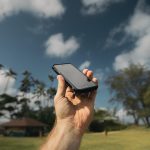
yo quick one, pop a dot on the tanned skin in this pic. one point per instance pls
(73, 115)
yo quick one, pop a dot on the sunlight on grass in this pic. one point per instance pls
(130, 139)
(124, 140)
(10, 143)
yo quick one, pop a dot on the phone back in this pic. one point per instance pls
(74, 77)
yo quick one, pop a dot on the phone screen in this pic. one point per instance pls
(74, 76)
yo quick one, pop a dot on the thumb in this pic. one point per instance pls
(61, 89)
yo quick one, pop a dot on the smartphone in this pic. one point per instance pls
(74, 77)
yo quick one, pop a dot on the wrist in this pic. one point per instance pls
(68, 128)
(63, 137)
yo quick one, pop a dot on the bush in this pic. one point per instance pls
(96, 126)
(112, 125)
(109, 125)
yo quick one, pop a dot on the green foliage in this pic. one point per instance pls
(46, 115)
(105, 120)
(129, 87)
(27, 82)
(111, 125)
(51, 92)
(101, 114)
(8, 73)
(106, 125)
(1, 66)
(11, 73)
(29, 89)
(7, 103)
(96, 126)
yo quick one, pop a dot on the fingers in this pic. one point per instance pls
(70, 93)
(61, 89)
(95, 80)
(85, 71)
(93, 93)
(88, 73)
(69, 89)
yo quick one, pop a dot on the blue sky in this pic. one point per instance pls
(102, 35)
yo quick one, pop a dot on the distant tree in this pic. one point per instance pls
(7, 105)
(7, 102)
(9, 74)
(1, 66)
(101, 114)
(146, 112)
(29, 90)
(47, 115)
(51, 91)
(51, 78)
(105, 120)
(27, 83)
(44, 93)
(46, 112)
(40, 93)
(129, 87)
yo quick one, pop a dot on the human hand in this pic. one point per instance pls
(73, 115)
(74, 110)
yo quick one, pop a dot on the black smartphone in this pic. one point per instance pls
(74, 77)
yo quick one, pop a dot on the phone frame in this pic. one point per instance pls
(76, 89)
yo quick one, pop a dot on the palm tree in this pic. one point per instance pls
(51, 91)
(40, 91)
(1, 66)
(51, 78)
(6, 99)
(25, 89)
(9, 74)
(27, 82)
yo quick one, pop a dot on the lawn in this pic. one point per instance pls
(131, 139)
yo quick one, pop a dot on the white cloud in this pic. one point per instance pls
(97, 6)
(139, 29)
(40, 8)
(123, 117)
(9, 82)
(101, 108)
(56, 45)
(3, 120)
(101, 74)
(44, 100)
(85, 65)
(114, 38)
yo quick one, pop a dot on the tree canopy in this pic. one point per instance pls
(131, 88)
(28, 101)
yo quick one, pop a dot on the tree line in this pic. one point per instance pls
(31, 91)
(129, 87)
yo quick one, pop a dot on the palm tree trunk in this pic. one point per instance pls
(6, 86)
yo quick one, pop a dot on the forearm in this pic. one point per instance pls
(63, 137)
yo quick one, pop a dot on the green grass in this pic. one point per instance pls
(123, 140)
(131, 139)
(11, 143)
